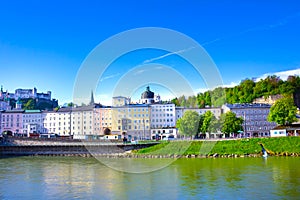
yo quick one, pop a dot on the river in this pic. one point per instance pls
(87, 178)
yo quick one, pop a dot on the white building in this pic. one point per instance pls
(289, 130)
(147, 97)
(32, 122)
(31, 93)
(24, 94)
(163, 120)
(4, 105)
(49, 122)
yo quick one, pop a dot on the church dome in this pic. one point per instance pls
(147, 94)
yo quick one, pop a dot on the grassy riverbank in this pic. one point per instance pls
(280, 146)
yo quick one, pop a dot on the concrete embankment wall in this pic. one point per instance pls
(21, 148)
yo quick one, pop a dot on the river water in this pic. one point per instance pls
(87, 178)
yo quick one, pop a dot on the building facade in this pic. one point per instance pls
(132, 120)
(163, 121)
(32, 122)
(102, 121)
(255, 118)
(12, 121)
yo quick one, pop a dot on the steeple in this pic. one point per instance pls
(92, 98)
(19, 104)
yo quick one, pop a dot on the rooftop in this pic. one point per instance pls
(248, 105)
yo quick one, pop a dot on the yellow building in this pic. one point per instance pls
(130, 120)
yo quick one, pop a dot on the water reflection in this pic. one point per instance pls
(87, 178)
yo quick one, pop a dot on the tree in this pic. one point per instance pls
(215, 125)
(231, 123)
(71, 104)
(29, 105)
(283, 112)
(246, 91)
(175, 101)
(203, 99)
(189, 123)
(206, 122)
(218, 97)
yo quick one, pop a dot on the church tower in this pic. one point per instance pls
(147, 97)
(19, 104)
(92, 102)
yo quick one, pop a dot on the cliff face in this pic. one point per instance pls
(269, 100)
(273, 98)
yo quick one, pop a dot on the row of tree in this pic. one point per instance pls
(32, 104)
(245, 92)
(283, 112)
(193, 124)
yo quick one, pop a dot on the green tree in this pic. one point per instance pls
(29, 105)
(215, 125)
(283, 112)
(231, 123)
(189, 123)
(182, 101)
(200, 100)
(175, 101)
(71, 104)
(245, 94)
(206, 122)
(218, 97)
(201, 120)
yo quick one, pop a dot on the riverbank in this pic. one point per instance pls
(283, 146)
(48, 147)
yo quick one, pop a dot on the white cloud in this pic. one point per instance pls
(283, 74)
(140, 72)
(109, 77)
(167, 54)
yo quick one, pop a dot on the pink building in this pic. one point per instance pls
(12, 121)
(102, 120)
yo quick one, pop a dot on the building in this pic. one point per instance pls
(11, 121)
(147, 97)
(31, 93)
(255, 118)
(201, 111)
(49, 119)
(120, 101)
(4, 105)
(281, 131)
(102, 121)
(32, 123)
(163, 120)
(131, 120)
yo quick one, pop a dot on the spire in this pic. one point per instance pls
(92, 98)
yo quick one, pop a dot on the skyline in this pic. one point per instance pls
(244, 39)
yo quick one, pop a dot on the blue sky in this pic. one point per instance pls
(43, 43)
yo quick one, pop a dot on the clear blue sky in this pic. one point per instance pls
(43, 43)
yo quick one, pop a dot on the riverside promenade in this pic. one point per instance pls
(52, 147)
